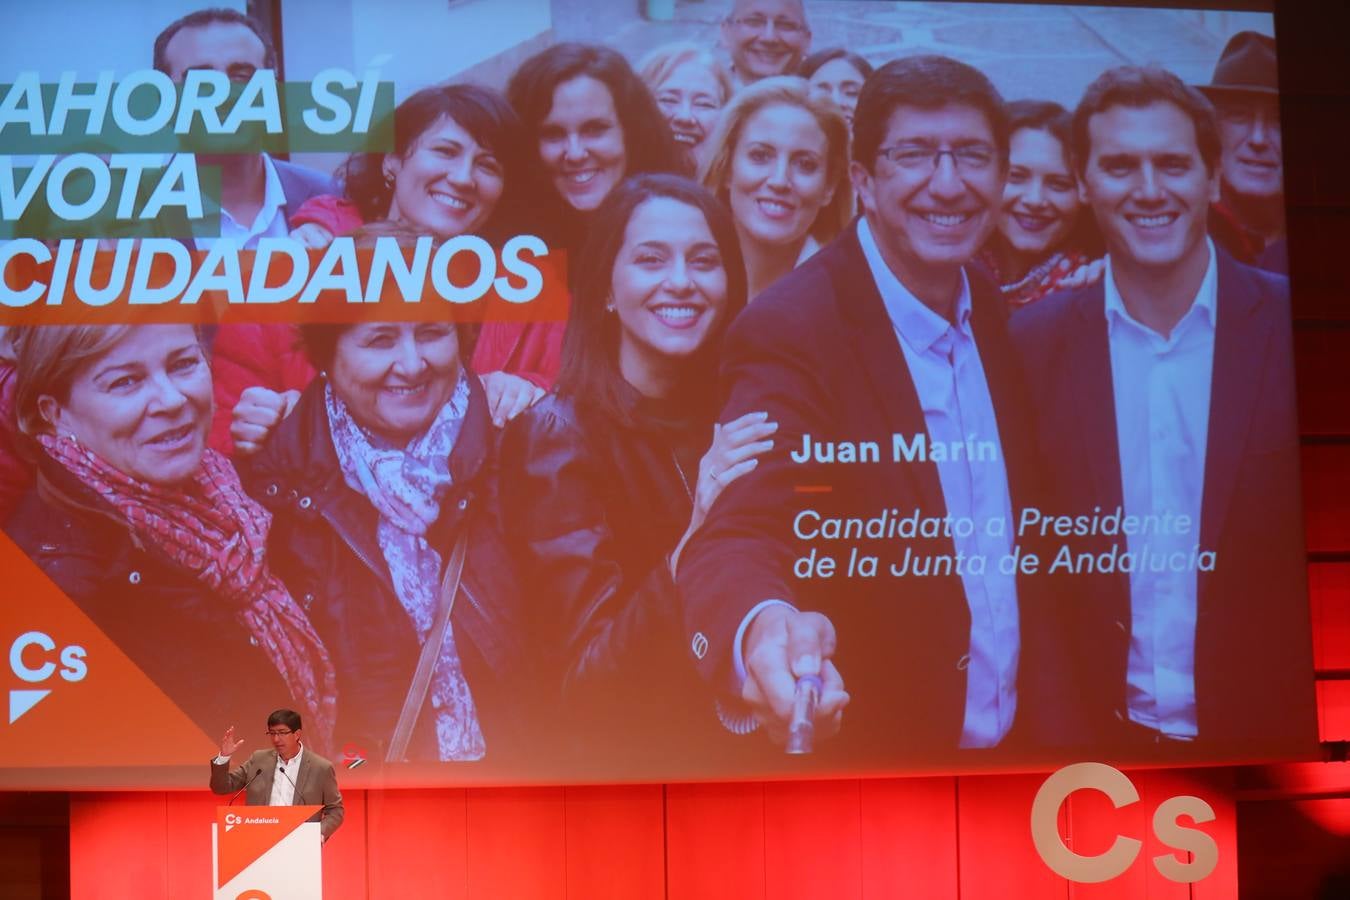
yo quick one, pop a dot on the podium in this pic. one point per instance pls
(266, 853)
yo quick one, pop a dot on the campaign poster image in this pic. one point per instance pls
(556, 391)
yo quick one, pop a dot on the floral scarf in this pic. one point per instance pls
(406, 485)
(1043, 279)
(211, 528)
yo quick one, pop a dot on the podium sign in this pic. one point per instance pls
(266, 853)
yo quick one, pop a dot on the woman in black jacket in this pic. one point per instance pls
(603, 481)
(149, 532)
(379, 481)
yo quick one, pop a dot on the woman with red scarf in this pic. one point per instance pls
(149, 532)
(1045, 236)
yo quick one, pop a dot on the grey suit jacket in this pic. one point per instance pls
(316, 782)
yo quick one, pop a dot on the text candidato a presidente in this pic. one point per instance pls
(922, 544)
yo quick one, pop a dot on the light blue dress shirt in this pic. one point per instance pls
(270, 221)
(1162, 388)
(945, 366)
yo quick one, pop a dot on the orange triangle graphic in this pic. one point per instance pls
(100, 704)
(245, 833)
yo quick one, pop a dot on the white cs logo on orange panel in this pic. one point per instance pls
(37, 667)
(1123, 851)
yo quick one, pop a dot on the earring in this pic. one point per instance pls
(609, 304)
(388, 179)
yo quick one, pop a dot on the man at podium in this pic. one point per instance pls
(286, 775)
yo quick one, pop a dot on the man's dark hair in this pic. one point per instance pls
(923, 82)
(590, 355)
(288, 717)
(203, 17)
(1137, 87)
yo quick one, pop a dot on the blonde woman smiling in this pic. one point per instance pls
(690, 87)
(779, 160)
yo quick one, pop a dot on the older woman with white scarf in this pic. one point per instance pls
(385, 529)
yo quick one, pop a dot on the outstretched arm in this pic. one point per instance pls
(751, 638)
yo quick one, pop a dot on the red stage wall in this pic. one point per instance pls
(927, 837)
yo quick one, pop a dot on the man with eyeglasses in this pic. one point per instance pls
(1248, 220)
(1165, 392)
(765, 38)
(286, 775)
(882, 343)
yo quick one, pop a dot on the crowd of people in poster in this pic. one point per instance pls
(893, 420)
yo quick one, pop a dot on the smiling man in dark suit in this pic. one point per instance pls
(1166, 391)
(286, 775)
(882, 340)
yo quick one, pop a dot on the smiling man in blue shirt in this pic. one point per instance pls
(884, 339)
(1166, 391)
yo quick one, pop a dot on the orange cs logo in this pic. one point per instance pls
(30, 659)
(1124, 851)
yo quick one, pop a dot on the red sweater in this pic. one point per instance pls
(244, 356)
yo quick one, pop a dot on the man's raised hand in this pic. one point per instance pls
(228, 745)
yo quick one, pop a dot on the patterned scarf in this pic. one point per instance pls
(406, 485)
(212, 529)
(1043, 279)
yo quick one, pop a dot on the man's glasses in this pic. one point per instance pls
(271, 733)
(785, 27)
(921, 158)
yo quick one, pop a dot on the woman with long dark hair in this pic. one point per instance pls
(1044, 234)
(836, 74)
(604, 480)
(592, 122)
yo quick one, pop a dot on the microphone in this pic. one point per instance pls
(256, 773)
(295, 791)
